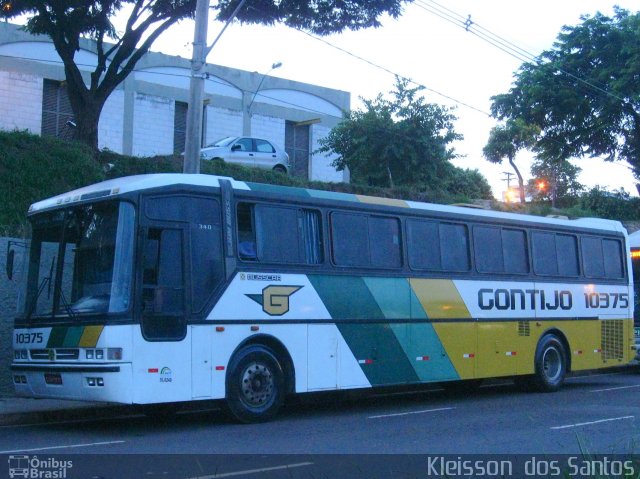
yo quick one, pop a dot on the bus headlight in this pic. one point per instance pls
(114, 354)
(20, 354)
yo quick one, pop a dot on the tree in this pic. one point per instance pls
(67, 21)
(506, 140)
(402, 141)
(584, 93)
(554, 180)
(468, 183)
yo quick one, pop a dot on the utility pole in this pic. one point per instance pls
(196, 91)
(196, 85)
(508, 178)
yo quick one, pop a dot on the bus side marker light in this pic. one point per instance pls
(468, 356)
(365, 361)
(219, 368)
(152, 370)
(219, 329)
(578, 353)
(422, 358)
(597, 351)
(255, 328)
(511, 353)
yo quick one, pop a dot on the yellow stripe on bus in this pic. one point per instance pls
(382, 201)
(90, 336)
(440, 298)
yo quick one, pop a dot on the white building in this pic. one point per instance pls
(146, 114)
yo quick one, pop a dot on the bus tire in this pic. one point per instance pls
(550, 364)
(255, 385)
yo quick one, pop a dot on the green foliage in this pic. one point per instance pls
(506, 140)
(617, 205)
(33, 168)
(584, 92)
(558, 181)
(403, 141)
(465, 183)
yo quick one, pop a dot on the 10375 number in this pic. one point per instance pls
(606, 300)
(29, 338)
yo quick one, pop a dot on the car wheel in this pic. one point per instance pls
(255, 385)
(280, 169)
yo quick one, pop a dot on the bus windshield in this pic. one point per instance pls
(81, 261)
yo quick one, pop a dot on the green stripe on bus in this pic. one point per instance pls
(393, 296)
(379, 353)
(427, 353)
(346, 297)
(56, 338)
(278, 189)
(332, 195)
(72, 338)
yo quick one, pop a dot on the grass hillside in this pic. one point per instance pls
(34, 167)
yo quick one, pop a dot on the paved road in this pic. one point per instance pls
(596, 414)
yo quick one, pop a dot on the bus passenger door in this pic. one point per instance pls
(163, 356)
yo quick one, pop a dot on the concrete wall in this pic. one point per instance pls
(138, 117)
(20, 101)
(153, 117)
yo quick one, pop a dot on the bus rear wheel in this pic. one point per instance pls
(255, 385)
(550, 364)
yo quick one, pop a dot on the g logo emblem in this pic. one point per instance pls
(275, 299)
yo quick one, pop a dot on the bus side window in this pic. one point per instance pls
(246, 232)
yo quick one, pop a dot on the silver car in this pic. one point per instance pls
(248, 151)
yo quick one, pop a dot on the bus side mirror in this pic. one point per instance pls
(11, 255)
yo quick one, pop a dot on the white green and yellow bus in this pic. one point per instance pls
(171, 287)
(634, 245)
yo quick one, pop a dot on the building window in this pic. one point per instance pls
(180, 126)
(57, 116)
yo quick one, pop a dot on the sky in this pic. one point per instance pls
(449, 61)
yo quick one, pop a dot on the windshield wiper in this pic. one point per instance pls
(45, 281)
(67, 307)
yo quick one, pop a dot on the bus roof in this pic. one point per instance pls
(118, 186)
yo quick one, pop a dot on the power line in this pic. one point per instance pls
(501, 43)
(380, 67)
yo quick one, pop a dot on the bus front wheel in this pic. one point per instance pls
(550, 364)
(255, 385)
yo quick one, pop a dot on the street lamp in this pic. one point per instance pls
(255, 93)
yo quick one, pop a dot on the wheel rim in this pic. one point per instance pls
(258, 385)
(552, 364)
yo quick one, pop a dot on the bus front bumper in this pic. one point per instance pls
(85, 382)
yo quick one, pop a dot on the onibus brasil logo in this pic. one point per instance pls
(34, 467)
(275, 299)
